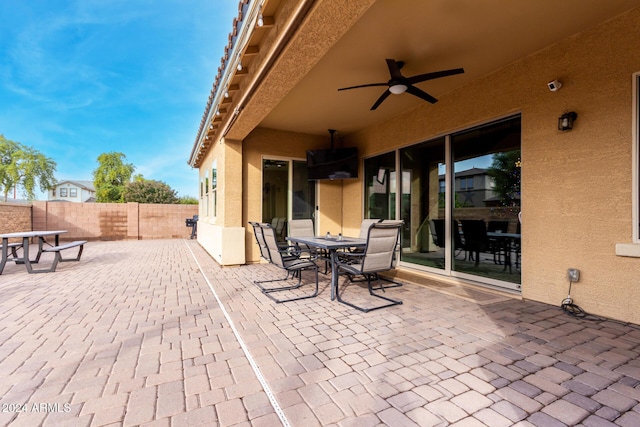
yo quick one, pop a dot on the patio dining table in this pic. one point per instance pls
(26, 236)
(331, 245)
(505, 240)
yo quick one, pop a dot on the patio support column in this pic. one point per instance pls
(222, 233)
(232, 183)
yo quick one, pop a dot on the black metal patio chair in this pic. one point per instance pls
(475, 238)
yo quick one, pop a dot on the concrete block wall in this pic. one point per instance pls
(113, 221)
(164, 221)
(15, 217)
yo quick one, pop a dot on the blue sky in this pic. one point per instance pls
(83, 77)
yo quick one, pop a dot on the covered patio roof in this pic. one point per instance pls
(294, 63)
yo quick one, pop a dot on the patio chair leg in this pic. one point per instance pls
(391, 301)
(289, 275)
(382, 287)
(269, 292)
(377, 277)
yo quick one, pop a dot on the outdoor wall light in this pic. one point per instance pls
(260, 22)
(239, 66)
(565, 121)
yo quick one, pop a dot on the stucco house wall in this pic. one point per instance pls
(268, 143)
(220, 228)
(576, 186)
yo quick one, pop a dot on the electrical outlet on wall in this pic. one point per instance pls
(574, 274)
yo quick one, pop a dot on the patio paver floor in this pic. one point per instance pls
(134, 335)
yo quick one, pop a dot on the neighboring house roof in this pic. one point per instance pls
(471, 172)
(87, 185)
(468, 172)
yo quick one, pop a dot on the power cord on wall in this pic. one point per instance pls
(576, 311)
(570, 308)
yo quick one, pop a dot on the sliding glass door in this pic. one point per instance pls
(459, 197)
(486, 201)
(380, 186)
(287, 193)
(422, 204)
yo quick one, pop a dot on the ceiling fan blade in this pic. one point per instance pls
(382, 98)
(367, 85)
(394, 69)
(421, 94)
(436, 75)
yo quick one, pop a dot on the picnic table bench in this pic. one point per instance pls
(58, 256)
(14, 247)
(56, 248)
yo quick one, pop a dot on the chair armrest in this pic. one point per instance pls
(293, 250)
(349, 258)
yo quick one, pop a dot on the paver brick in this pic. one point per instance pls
(394, 417)
(509, 410)
(614, 400)
(471, 401)
(141, 407)
(566, 412)
(147, 344)
(491, 418)
(446, 410)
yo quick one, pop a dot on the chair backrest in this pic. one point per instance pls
(301, 228)
(436, 226)
(272, 245)
(382, 239)
(257, 232)
(475, 234)
(364, 226)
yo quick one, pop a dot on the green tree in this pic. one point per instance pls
(188, 200)
(24, 167)
(111, 177)
(149, 191)
(505, 171)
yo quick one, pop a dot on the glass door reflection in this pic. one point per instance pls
(486, 201)
(423, 204)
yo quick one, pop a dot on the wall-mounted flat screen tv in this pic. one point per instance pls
(339, 163)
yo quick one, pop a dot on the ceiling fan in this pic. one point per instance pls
(399, 84)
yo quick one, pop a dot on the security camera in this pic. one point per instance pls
(554, 85)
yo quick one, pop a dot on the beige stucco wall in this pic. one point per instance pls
(576, 186)
(221, 230)
(268, 143)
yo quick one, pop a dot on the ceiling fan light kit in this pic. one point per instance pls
(399, 84)
(397, 89)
